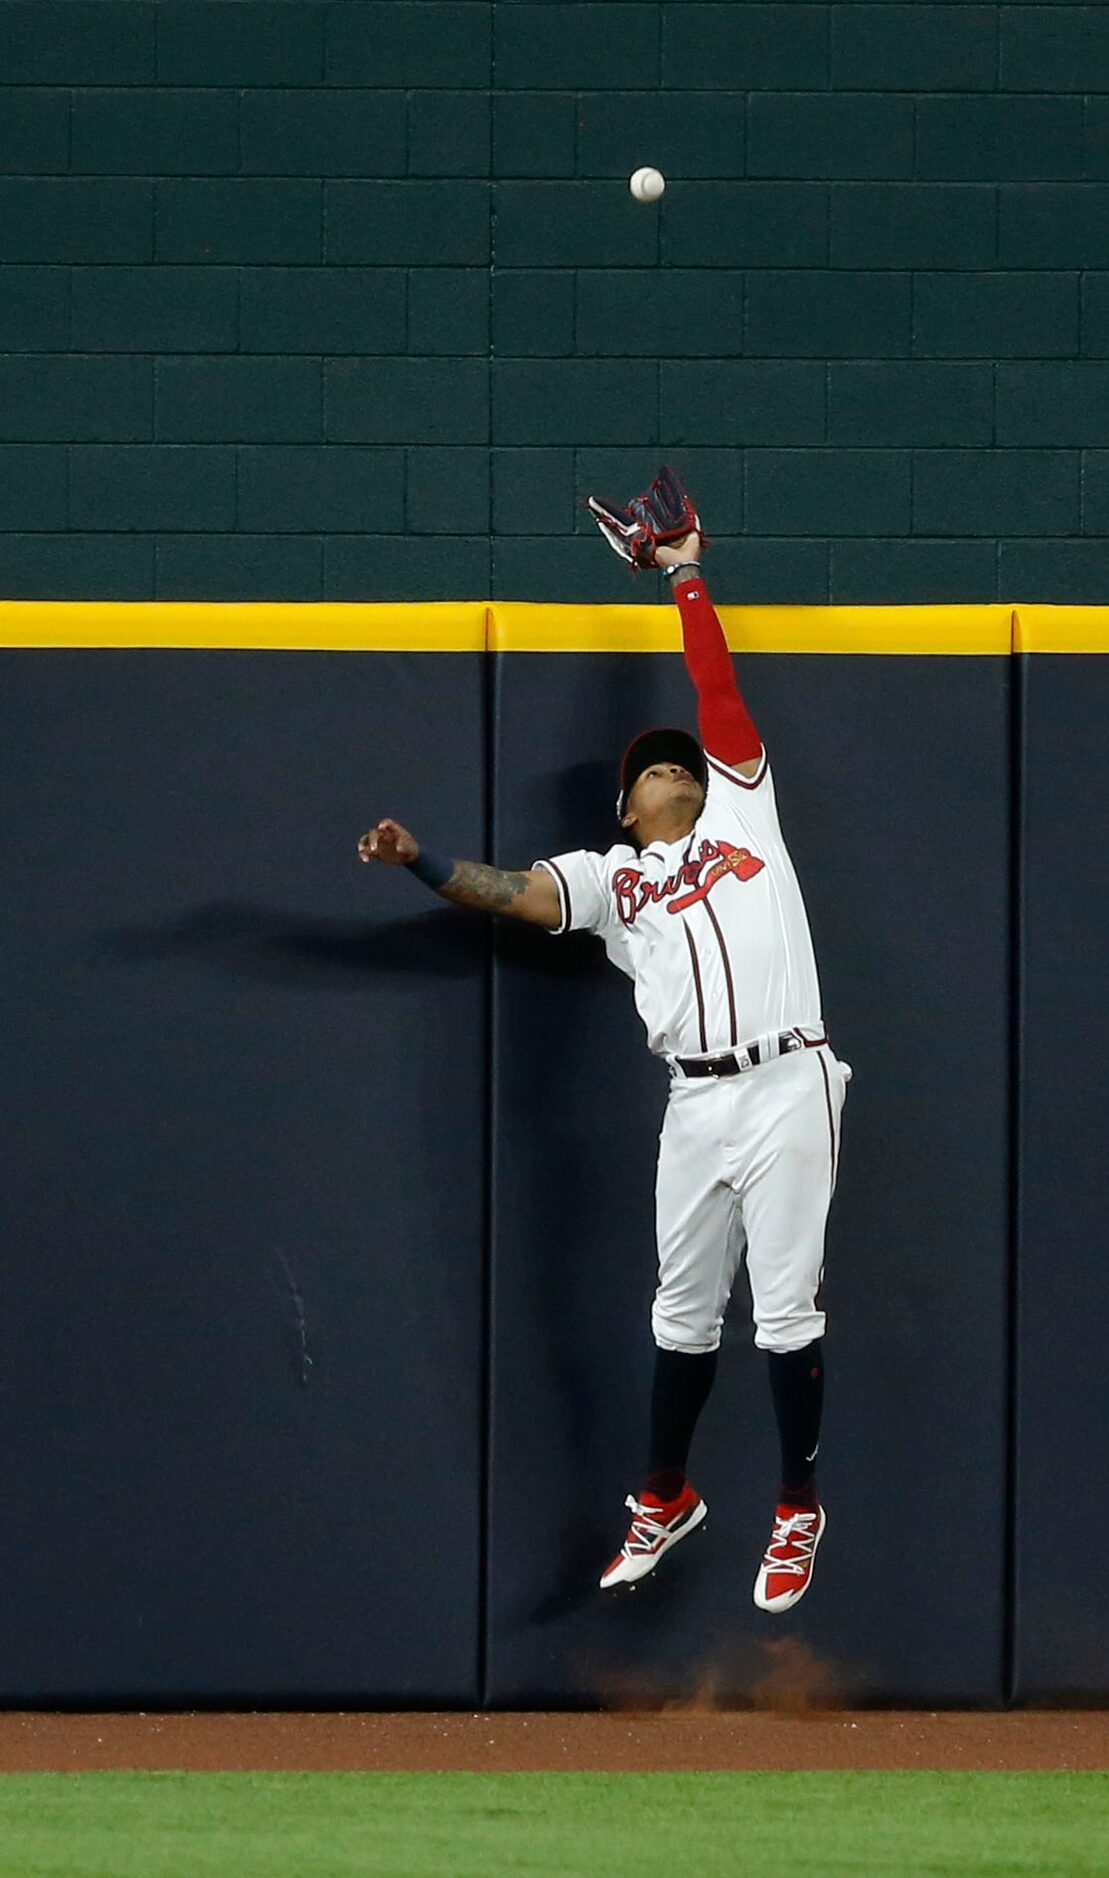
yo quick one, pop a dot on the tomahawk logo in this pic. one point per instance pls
(715, 860)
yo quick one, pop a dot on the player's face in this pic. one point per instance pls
(661, 791)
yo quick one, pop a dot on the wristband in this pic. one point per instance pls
(431, 868)
(689, 568)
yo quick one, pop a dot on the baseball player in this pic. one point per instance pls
(699, 904)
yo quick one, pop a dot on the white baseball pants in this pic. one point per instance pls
(747, 1163)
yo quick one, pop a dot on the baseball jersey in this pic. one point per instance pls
(712, 929)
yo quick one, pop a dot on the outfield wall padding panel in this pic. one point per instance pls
(243, 1181)
(1062, 1492)
(893, 783)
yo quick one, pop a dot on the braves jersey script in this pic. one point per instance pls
(712, 928)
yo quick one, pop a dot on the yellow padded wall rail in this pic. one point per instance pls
(438, 626)
(519, 626)
(1061, 629)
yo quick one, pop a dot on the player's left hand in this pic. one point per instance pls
(673, 553)
(662, 517)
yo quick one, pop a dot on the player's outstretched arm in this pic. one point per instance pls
(661, 528)
(727, 729)
(530, 896)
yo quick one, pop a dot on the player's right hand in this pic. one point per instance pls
(389, 842)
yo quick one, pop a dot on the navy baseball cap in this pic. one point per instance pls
(665, 745)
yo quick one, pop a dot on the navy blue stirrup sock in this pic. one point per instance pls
(797, 1386)
(680, 1390)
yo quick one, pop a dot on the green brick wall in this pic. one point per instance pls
(331, 299)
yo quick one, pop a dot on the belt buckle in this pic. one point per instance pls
(716, 1067)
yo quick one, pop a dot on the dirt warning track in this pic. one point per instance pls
(613, 1741)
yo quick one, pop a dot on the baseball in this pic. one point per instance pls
(647, 185)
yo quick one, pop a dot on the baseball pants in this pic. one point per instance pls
(747, 1164)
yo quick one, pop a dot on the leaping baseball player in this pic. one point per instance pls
(699, 904)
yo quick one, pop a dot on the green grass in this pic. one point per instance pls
(134, 1825)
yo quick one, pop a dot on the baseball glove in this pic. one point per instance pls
(663, 513)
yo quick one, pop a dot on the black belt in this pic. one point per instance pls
(750, 1056)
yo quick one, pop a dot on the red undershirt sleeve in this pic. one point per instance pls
(727, 730)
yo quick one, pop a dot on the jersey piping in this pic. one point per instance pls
(733, 775)
(831, 1126)
(727, 964)
(564, 901)
(695, 963)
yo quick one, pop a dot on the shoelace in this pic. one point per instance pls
(646, 1529)
(800, 1528)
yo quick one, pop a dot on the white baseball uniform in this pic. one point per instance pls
(714, 934)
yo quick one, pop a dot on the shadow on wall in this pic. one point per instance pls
(586, 794)
(274, 947)
(573, 806)
(266, 944)
(278, 947)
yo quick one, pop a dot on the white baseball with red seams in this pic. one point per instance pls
(713, 931)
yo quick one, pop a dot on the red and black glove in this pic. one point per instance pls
(663, 513)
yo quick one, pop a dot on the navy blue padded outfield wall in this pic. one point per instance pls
(242, 1200)
(321, 299)
(1061, 1643)
(327, 1210)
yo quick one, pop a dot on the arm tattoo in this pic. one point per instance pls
(490, 889)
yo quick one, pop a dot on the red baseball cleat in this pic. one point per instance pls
(786, 1570)
(656, 1526)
